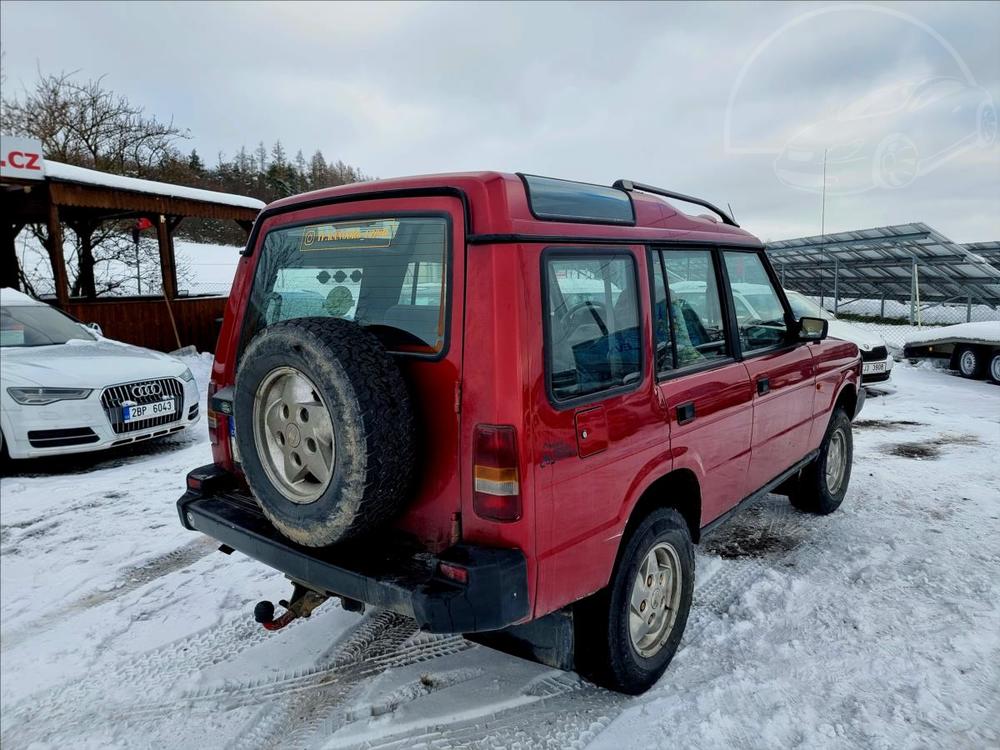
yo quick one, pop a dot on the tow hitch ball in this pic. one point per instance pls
(303, 602)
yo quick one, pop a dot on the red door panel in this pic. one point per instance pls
(711, 414)
(784, 392)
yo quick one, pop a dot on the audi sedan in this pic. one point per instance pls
(66, 388)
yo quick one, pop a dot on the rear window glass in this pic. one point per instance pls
(578, 201)
(389, 275)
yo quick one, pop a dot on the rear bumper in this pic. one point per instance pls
(386, 576)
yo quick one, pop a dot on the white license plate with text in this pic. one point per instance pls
(139, 412)
(871, 368)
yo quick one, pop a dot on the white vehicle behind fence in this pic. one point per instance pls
(971, 348)
(876, 362)
(66, 388)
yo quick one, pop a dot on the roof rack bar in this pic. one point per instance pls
(630, 185)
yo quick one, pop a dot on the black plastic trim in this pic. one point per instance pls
(754, 496)
(629, 185)
(495, 596)
(515, 238)
(62, 438)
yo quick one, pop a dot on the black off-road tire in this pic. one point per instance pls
(995, 368)
(373, 425)
(810, 492)
(604, 650)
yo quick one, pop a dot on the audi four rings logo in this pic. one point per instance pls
(145, 390)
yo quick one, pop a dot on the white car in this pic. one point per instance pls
(65, 388)
(876, 362)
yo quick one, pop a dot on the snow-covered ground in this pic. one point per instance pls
(875, 627)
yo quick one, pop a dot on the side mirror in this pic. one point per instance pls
(96, 328)
(812, 329)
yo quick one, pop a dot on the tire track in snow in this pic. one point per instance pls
(131, 578)
(379, 643)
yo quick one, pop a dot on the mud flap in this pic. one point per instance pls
(548, 640)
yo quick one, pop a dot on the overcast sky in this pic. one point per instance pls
(901, 96)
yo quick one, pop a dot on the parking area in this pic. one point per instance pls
(875, 626)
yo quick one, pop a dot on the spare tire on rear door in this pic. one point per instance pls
(324, 429)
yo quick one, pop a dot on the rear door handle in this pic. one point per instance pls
(763, 385)
(685, 413)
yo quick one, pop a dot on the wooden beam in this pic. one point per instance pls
(167, 271)
(56, 255)
(113, 200)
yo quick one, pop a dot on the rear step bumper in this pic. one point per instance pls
(407, 582)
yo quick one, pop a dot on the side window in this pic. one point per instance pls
(759, 314)
(661, 317)
(696, 314)
(593, 324)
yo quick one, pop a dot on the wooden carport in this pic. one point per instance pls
(75, 196)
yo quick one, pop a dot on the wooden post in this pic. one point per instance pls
(56, 255)
(166, 258)
(167, 272)
(9, 266)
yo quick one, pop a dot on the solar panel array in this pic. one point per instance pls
(876, 263)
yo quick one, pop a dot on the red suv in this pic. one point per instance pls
(508, 405)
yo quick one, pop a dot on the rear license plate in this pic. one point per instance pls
(148, 411)
(871, 368)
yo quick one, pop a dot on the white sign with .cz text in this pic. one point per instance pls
(21, 158)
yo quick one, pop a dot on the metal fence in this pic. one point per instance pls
(893, 319)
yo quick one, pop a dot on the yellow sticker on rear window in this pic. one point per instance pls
(377, 233)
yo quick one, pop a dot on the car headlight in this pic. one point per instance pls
(187, 375)
(42, 396)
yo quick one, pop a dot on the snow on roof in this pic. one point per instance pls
(13, 297)
(68, 173)
(987, 332)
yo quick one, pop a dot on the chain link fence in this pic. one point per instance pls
(895, 319)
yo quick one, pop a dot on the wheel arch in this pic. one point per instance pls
(847, 399)
(678, 489)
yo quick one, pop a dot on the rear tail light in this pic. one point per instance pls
(496, 490)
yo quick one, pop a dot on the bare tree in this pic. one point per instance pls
(85, 124)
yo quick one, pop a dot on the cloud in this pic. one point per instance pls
(593, 91)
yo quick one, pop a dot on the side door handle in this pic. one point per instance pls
(685, 412)
(763, 385)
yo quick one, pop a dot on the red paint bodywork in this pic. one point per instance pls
(577, 493)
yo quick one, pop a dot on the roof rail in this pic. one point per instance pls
(630, 185)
